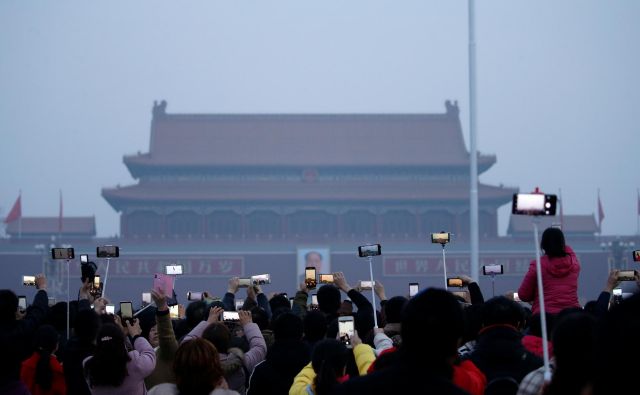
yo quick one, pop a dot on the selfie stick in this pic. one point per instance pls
(373, 294)
(106, 276)
(444, 265)
(493, 284)
(543, 318)
(68, 270)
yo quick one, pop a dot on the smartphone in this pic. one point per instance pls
(96, 287)
(617, 292)
(62, 253)
(96, 281)
(636, 256)
(126, 310)
(441, 238)
(326, 279)
(173, 269)
(239, 304)
(108, 251)
(146, 297)
(52, 301)
(369, 250)
(261, 279)
(22, 303)
(163, 282)
(174, 312)
(461, 294)
(310, 277)
(414, 288)
(314, 299)
(230, 316)
(488, 270)
(627, 275)
(516, 298)
(110, 309)
(84, 258)
(534, 204)
(194, 295)
(454, 282)
(345, 330)
(244, 282)
(367, 284)
(29, 281)
(291, 301)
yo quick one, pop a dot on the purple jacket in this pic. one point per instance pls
(143, 361)
(559, 280)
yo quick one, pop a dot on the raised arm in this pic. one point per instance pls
(214, 316)
(257, 346)
(229, 298)
(475, 294)
(527, 290)
(166, 336)
(143, 356)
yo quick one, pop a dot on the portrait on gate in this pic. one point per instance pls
(318, 257)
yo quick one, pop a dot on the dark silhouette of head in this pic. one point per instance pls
(219, 335)
(432, 325)
(553, 243)
(329, 299)
(329, 361)
(195, 313)
(287, 326)
(315, 326)
(86, 326)
(46, 343)
(393, 309)
(108, 366)
(8, 305)
(197, 367)
(502, 311)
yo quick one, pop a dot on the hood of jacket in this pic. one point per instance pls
(561, 266)
(232, 361)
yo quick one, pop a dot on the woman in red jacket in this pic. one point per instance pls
(560, 270)
(42, 373)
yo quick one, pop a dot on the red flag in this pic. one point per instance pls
(600, 211)
(16, 211)
(60, 215)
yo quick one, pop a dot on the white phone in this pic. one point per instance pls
(345, 330)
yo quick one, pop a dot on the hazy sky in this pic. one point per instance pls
(558, 85)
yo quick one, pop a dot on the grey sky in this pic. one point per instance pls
(559, 88)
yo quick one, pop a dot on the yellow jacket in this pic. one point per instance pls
(303, 382)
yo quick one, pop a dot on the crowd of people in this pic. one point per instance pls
(434, 342)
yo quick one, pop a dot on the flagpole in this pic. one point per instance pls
(20, 217)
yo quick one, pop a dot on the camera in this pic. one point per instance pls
(534, 204)
(261, 279)
(62, 253)
(627, 275)
(636, 256)
(369, 250)
(441, 238)
(108, 251)
(244, 282)
(488, 270)
(454, 282)
(29, 281)
(326, 279)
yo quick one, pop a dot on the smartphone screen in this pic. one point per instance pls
(52, 301)
(533, 204)
(440, 238)
(492, 269)
(314, 299)
(617, 292)
(146, 297)
(126, 309)
(96, 281)
(239, 304)
(108, 252)
(326, 278)
(636, 256)
(230, 316)
(173, 269)
(84, 258)
(110, 309)
(345, 330)
(366, 284)
(174, 312)
(194, 295)
(516, 297)
(29, 281)
(413, 289)
(454, 282)
(310, 277)
(369, 250)
(244, 282)
(22, 302)
(626, 275)
(62, 253)
(261, 279)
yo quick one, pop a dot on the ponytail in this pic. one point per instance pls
(44, 375)
(326, 379)
(46, 343)
(329, 360)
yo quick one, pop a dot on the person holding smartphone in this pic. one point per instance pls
(560, 270)
(16, 335)
(168, 345)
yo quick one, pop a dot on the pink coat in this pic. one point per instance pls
(559, 280)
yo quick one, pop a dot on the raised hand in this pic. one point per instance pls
(214, 314)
